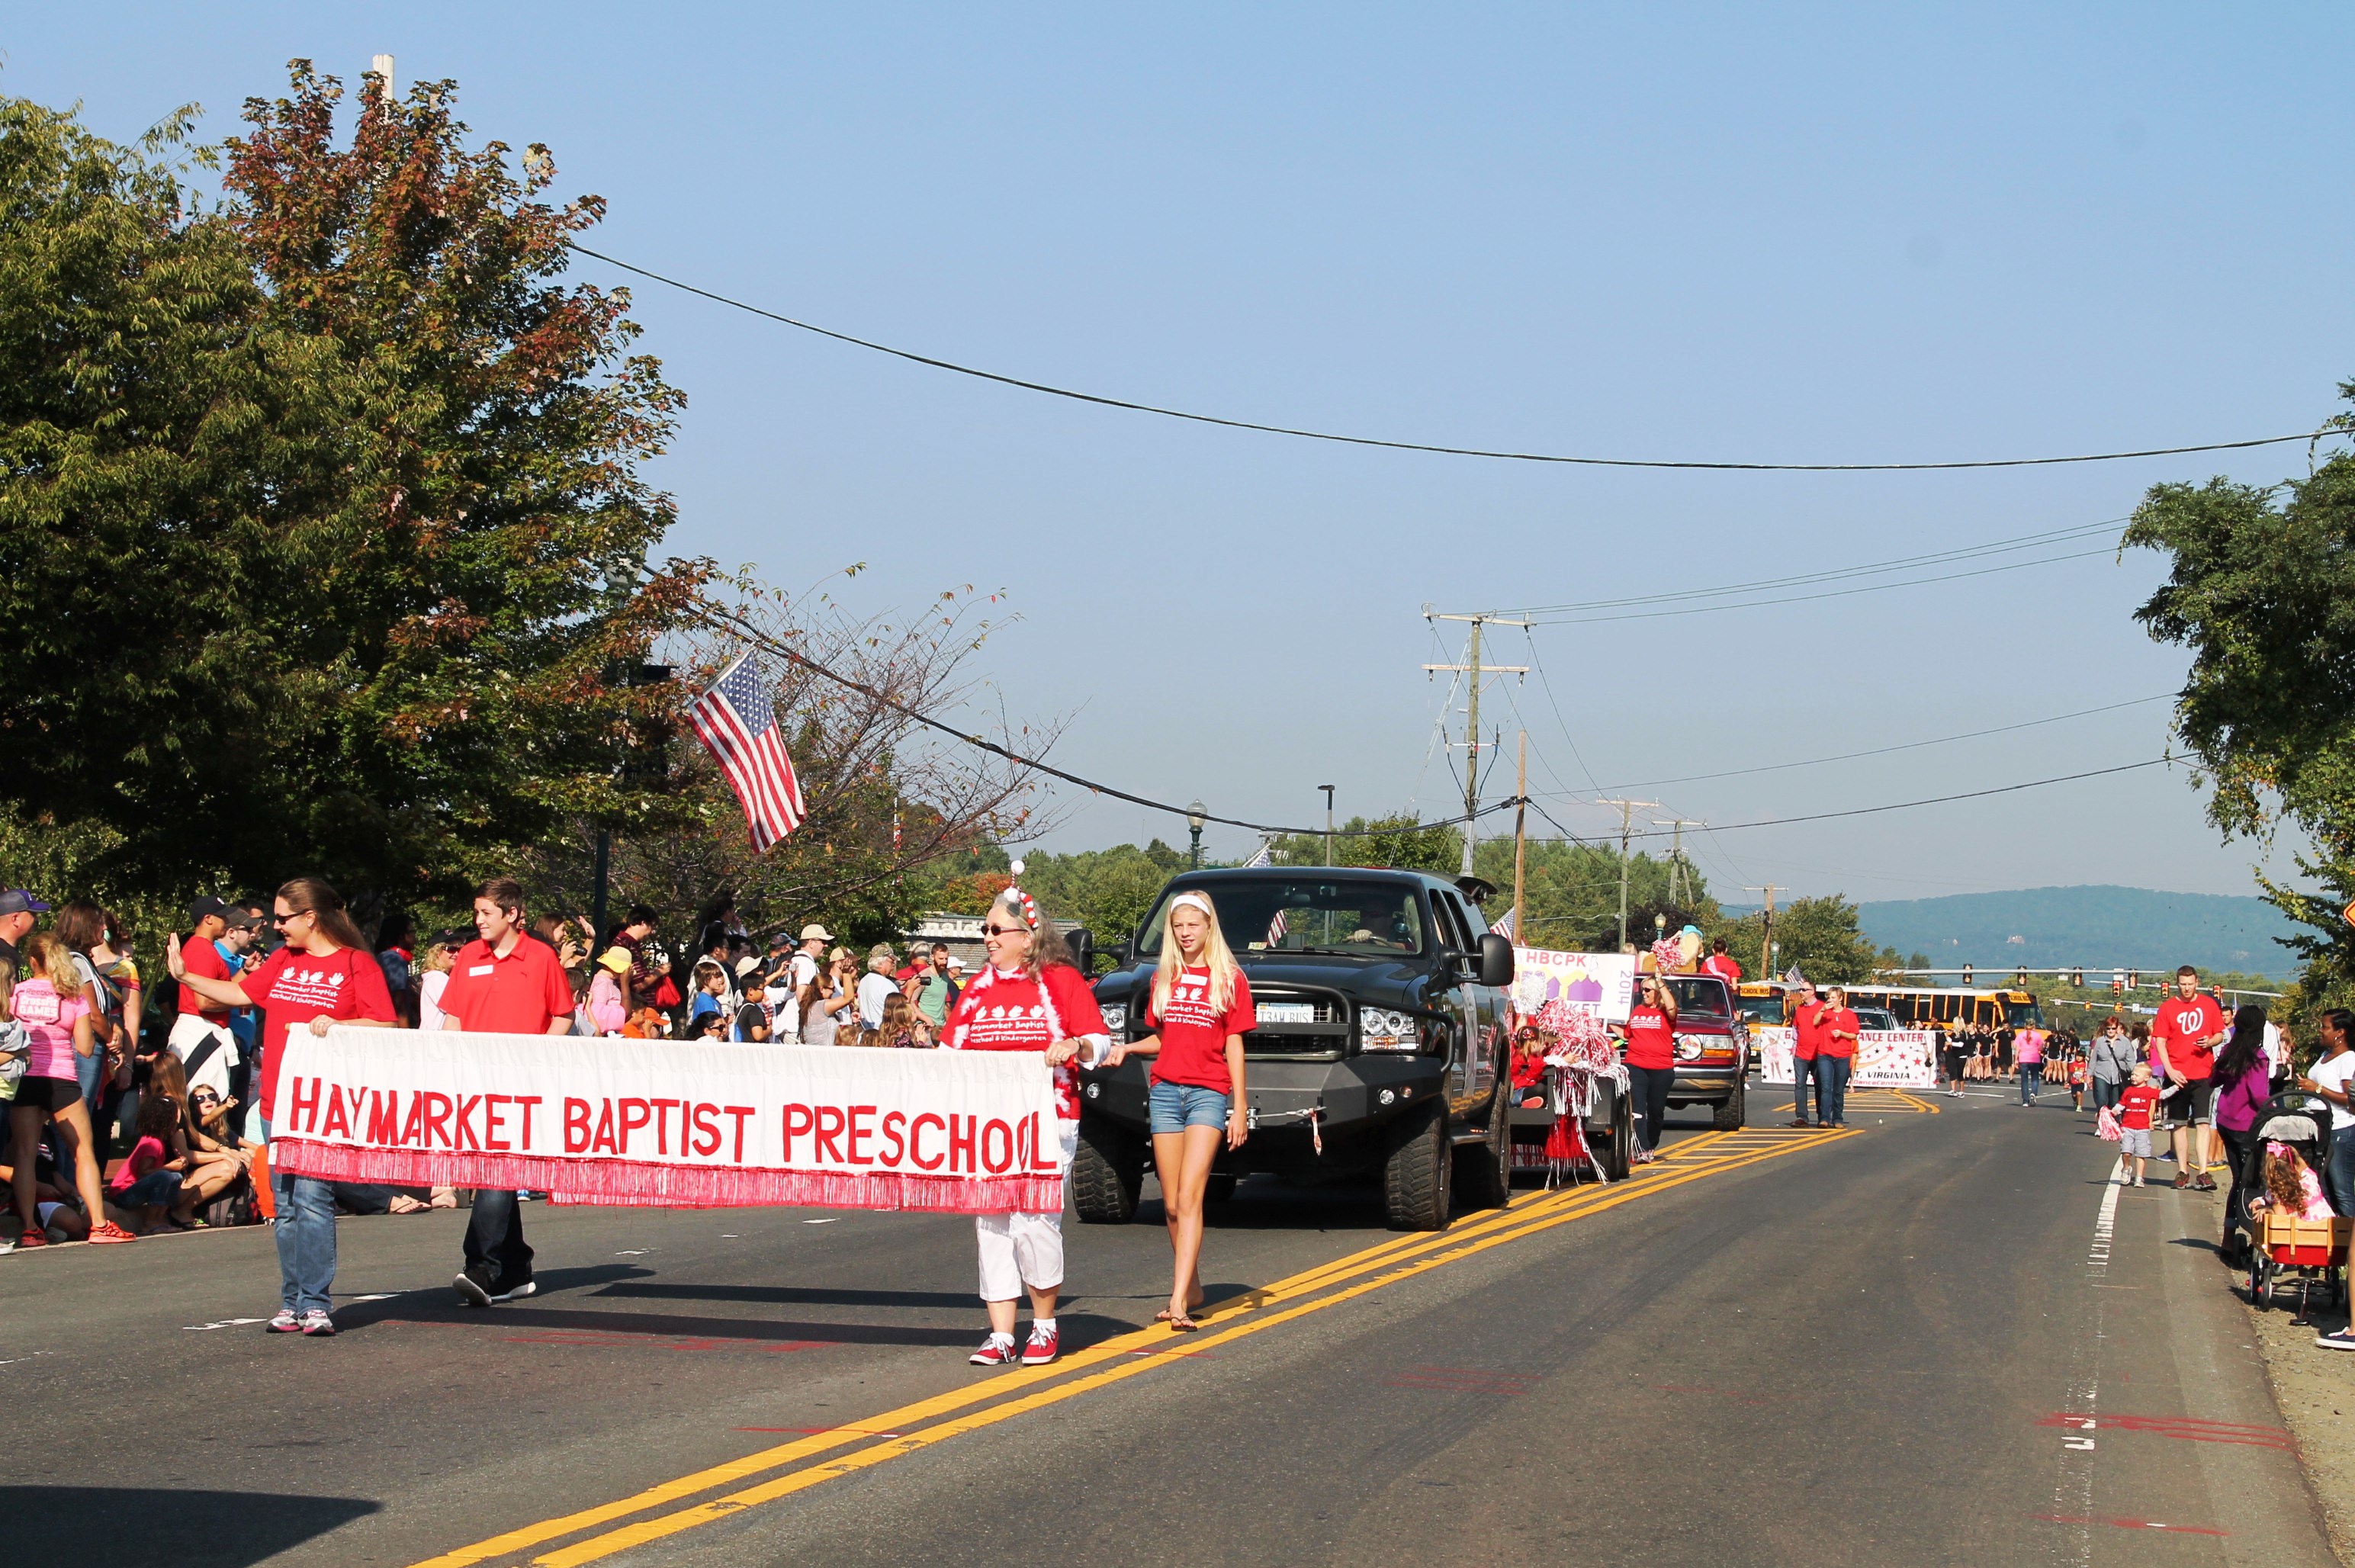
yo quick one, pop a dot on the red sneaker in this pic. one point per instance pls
(107, 1230)
(1041, 1349)
(997, 1351)
(34, 1236)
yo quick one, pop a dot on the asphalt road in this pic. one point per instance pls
(1882, 1348)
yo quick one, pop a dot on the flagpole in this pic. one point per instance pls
(1520, 833)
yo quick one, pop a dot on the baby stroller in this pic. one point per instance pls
(2314, 1251)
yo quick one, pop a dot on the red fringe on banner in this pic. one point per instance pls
(642, 1184)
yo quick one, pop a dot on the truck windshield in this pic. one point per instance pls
(1697, 998)
(1304, 914)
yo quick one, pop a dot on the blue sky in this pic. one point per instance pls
(1803, 234)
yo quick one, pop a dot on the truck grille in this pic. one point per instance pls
(1325, 1032)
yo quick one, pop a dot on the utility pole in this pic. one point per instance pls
(1628, 809)
(1679, 870)
(1766, 936)
(1479, 671)
(1328, 822)
(1520, 832)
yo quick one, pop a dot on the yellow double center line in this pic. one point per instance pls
(1312, 1290)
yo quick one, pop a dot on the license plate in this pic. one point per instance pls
(1285, 1012)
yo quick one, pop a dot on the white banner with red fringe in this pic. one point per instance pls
(672, 1124)
(1885, 1058)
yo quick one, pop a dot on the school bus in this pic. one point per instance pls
(1913, 1007)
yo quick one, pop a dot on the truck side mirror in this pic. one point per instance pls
(1082, 944)
(1496, 960)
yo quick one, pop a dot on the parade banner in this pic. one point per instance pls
(671, 1125)
(1885, 1058)
(1602, 985)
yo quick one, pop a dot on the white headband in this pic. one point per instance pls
(1194, 900)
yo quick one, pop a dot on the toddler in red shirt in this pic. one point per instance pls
(2135, 1106)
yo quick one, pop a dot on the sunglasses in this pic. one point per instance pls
(1003, 931)
(290, 914)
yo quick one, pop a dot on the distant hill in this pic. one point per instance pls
(2133, 928)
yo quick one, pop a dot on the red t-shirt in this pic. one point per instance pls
(1807, 1029)
(1722, 966)
(998, 1011)
(2181, 1026)
(1194, 1033)
(1829, 1020)
(2135, 1106)
(1651, 1039)
(518, 994)
(293, 987)
(202, 959)
(1528, 1071)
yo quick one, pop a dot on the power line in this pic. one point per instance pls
(1832, 593)
(1884, 751)
(1934, 800)
(1111, 403)
(1831, 574)
(725, 620)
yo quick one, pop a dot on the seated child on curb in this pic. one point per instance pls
(2135, 1103)
(2291, 1185)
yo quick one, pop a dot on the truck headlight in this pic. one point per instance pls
(1115, 1017)
(1381, 1029)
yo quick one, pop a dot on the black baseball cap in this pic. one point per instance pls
(207, 906)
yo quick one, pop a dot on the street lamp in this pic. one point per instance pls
(1197, 818)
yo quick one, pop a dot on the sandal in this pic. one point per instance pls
(1183, 1324)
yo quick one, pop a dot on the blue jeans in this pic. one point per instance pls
(1803, 1075)
(306, 1240)
(1176, 1106)
(2105, 1093)
(2341, 1180)
(1831, 1089)
(2031, 1081)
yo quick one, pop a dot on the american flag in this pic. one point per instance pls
(1505, 927)
(1277, 928)
(739, 728)
(1265, 856)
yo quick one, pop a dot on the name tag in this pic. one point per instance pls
(482, 969)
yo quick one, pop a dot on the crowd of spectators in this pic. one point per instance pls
(131, 1100)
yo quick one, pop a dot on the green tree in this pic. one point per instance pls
(1399, 841)
(1820, 935)
(321, 527)
(1570, 894)
(2262, 592)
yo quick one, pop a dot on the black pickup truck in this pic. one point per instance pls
(1380, 1046)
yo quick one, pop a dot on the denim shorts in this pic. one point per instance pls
(155, 1187)
(1176, 1106)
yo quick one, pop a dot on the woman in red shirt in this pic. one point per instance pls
(1200, 1010)
(1651, 1060)
(1027, 997)
(325, 974)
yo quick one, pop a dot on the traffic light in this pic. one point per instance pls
(2020, 977)
(2134, 978)
(2077, 978)
(1967, 974)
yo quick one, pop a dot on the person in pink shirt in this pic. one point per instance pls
(49, 1002)
(2028, 1055)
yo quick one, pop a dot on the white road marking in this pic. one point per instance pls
(224, 1323)
(820, 1221)
(2072, 1494)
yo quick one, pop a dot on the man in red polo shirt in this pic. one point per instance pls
(1806, 1013)
(507, 981)
(2183, 1041)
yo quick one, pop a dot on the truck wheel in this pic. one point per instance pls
(1107, 1171)
(1484, 1171)
(1730, 1115)
(1415, 1175)
(1618, 1156)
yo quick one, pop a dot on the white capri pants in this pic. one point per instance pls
(1023, 1249)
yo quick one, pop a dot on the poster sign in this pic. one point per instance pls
(685, 1123)
(1602, 985)
(1885, 1058)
